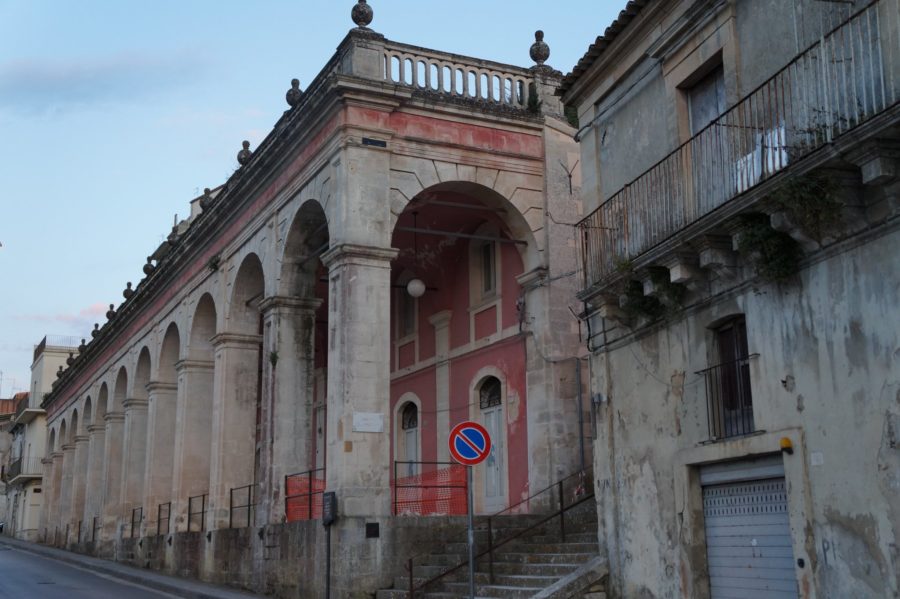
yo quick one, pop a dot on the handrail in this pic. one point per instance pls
(583, 492)
(315, 485)
(840, 81)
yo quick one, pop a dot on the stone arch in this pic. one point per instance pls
(87, 414)
(63, 433)
(102, 404)
(120, 391)
(307, 239)
(521, 217)
(51, 442)
(246, 294)
(74, 431)
(169, 354)
(408, 447)
(142, 374)
(203, 329)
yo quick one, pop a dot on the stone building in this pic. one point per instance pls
(741, 276)
(395, 257)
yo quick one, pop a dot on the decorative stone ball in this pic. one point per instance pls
(82, 347)
(149, 268)
(294, 94)
(128, 291)
(243, 156)
(96, 330)
(362, 14)
(207, 200)
(111, 313)
(71, 359)
(59, 372)
(540, 51)
(173, 236)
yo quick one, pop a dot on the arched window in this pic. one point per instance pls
(490, 393)
(409, 419)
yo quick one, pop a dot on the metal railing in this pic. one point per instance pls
(55, 341)
(197, 516)
(163, 518)
(137, 515)
(729, 403)
(21, 466)
(429, 488)
(546, 505)
(246, 495)
(844, 79)
(300, 491)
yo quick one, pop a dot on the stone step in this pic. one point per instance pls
(557, 570)
(527, 547)
(460, 589)
(571, 537)
(544, 558)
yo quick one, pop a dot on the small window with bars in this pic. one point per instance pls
(490, 393)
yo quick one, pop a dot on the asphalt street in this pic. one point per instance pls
(25, 575)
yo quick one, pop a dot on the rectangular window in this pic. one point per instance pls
(706, 99)
(729, 402)
(406, 314)
(488, 269)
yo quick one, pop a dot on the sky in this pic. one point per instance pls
(114, 114)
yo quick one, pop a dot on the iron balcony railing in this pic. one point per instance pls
(197, 512)
(729, 403)
(844, 79)
(241, 501)
(24, 467)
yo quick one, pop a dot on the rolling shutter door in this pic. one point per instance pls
(748, 540)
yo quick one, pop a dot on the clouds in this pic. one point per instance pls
(39, 87)
(83, 320)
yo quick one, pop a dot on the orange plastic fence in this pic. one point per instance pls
(303, 499)
(439, 492)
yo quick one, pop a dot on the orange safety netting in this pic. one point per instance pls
(303, 499)
(436, 493)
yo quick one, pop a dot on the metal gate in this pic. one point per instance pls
(748, 540)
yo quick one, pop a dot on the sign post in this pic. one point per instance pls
(329, 515)
(470, 444)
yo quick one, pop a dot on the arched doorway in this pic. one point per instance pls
(491, 414)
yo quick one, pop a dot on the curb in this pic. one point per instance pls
(125, 572)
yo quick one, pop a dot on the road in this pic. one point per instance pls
(26, 575)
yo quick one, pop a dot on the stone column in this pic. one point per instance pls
(113, 459)
(135, 458)
(93, 499)
(193, 430)
(54, 516)
(160, 450)
(290, 325)
(49, 474)
(79, 483)
(441, 324)
(234, 422)
(358, 401)
(65, 494)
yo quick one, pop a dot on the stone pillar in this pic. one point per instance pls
(49, 474)
(193, 430)
(290, 325)
(441, 324)
(113, 459)
(135, 458)
(234, 422)
(65, 494)
(54, 515)
(93, 499)
(79, 484)
(358, 454)
(160, 450)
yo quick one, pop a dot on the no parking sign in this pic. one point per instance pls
(470, 443)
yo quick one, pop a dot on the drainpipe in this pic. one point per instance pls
(580, 413)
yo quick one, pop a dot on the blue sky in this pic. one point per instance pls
(115, 113)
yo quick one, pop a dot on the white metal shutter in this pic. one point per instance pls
(748, 541)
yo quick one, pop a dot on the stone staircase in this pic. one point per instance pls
(538, 564)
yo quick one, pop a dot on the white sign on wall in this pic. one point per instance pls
(368, 422)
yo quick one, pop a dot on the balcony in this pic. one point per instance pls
(25, 413)
(847, 81)
(21, 470)
(729, 403)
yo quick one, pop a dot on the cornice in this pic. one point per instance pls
(236, 340)
(280, 303)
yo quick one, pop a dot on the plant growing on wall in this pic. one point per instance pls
(671, 294)
(812, 202)
(534, 103)
(775, 256)
(637, 304)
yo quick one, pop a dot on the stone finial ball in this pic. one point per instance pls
(540, 51)
(362, 14)
(243, 156)
(294, 94)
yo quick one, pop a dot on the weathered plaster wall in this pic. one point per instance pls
(826, 376)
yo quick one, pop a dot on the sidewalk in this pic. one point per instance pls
(180, 587)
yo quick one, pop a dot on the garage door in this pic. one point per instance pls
(748, 539)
